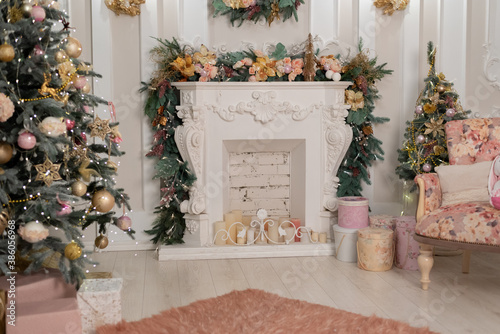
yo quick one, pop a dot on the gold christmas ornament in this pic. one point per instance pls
(130, 7)
(390, 6)
(66, 71)
(86, 88)
(78, 188)
(434, 127)
(309, 61)
(26, 9)
(72, 251)
(48, 172)
(275, 13)
(6, 151)
(103, 201)
(440, 88)
(14, 14)
(79, 153)
(101, 241)
(61, 56)
(7, 52)
(99, 128)
(73, 47)
(4, 220)
(85, 172)
(48, 92)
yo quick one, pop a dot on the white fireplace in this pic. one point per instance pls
(229, 126)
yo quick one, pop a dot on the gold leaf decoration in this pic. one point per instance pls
(128, 7)
(99, 128)
(390, 6)
(48, 172)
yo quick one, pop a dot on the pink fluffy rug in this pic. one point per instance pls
(256, 311)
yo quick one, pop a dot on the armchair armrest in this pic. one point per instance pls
(430, 195)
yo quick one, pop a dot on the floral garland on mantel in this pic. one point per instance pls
(182, 63)
(254, 10)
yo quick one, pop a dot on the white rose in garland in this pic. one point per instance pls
(6, 107)
(53, 126)
(33, 232)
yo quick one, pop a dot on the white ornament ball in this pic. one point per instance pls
(124, 223)
(33, 232)
(53, 126)
(336, 76)
(329, 74)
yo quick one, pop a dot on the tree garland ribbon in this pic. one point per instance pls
(180, 63)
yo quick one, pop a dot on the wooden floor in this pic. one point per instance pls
(455, 302)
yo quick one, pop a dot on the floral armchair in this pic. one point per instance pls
(471, 225)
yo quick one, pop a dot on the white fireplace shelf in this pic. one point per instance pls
(189, 252)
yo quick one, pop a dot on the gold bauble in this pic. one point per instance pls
(5, 152)
(61, 56)
(101, 242)
(26, 9)
(86, 88)
(72, 251)
(7, 52)
(4, 220)
(103, 201)
(78, 188)
(73, 47)
(440, 88)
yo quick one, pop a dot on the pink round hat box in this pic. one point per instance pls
(406, 246)
(353, 212)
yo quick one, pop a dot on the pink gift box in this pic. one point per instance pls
(406, 246)
(353, 212)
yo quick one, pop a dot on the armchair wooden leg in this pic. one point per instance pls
(466, 261)
(425, 262)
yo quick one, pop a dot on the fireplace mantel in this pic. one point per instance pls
(253, 114)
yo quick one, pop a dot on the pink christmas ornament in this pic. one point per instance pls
(450, 112)
(39, 51)
(124, 223)
(66, 209)
(420, 139)
(288, 68)
(86, 109)
(426, 168)
(70, 124)
(80, 82)
(38, 13)
(83, 139)
(419, 109)
(26, 140)
(326, 67)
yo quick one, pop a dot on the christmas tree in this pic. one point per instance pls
(425, 142)
(52, 177)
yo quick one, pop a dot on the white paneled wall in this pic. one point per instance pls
(466, 33)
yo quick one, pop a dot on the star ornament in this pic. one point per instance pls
(99, 128)
(434, 127)
(48, 172)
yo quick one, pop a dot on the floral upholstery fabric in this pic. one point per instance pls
(475, 222)
(433, 193)
(473, 140)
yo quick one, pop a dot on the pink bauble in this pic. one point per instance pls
(80, 82)
(38, 13)
(26, 140)
(70, 124)
(326, 67)
(450, 112)
(65, 210)
(426, 168)
(39, 51)
(86, 109)
(419, 109)
(288, 69)
(420, 139)
(124, 223)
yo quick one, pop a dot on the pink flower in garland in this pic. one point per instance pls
(206, 72)
(6, 107)
(297, 65)
(252, 78)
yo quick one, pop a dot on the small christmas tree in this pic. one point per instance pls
(51, 178)
(425, 142)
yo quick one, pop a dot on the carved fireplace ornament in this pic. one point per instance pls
(129, 7)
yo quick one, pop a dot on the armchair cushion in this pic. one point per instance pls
(474, 222)
(464, 183)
